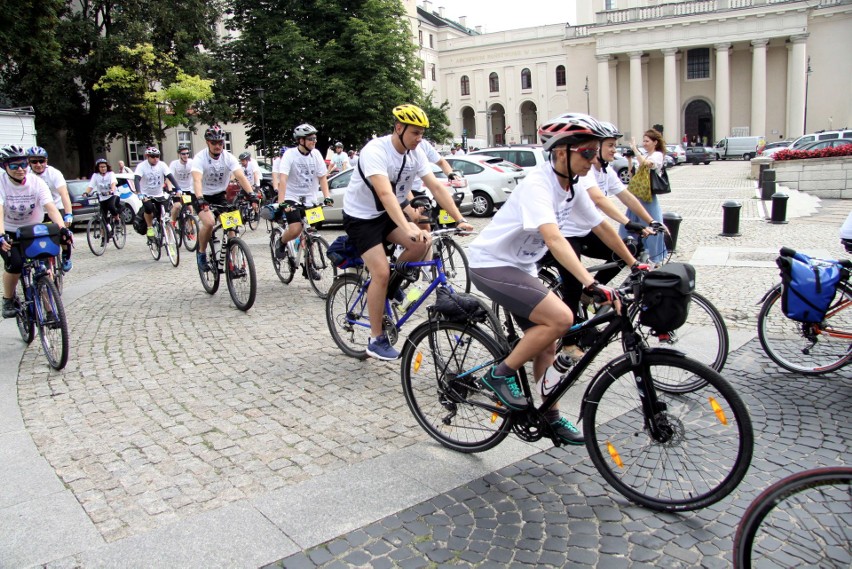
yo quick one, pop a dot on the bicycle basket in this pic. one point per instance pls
(458, 306)
(666, 294)
(343, 254)
(808, 288)
(39, 241)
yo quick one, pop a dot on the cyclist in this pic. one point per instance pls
(150, 178)
(503, 257)
(301, 174)
(103, 183)
(373, 210)
(23, 201)
(339, 160)
(276, 167)
(37, 158)
(253, 175)
(211, 170)
(435, 158)
(182, 171)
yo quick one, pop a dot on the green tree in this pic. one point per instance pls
(439, 124)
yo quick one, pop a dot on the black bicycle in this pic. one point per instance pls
(98, 234)
(187, 225)
(673, 450)
(229, 255)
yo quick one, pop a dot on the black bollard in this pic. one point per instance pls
(731, 218)
(779, 208)
(767, 188)
(763, 168)
(672, 221)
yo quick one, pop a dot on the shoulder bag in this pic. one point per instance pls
(660, 182)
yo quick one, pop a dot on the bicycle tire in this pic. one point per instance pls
(447, 408)
(240, 275)
(24, 317)
(119, 235)
(170, 243)
(317, 264)
(341, 309)
(785, 342)
(813, 532)
(252, 218)
(53, 330)
(96, 236)
(58, 273)
(155, 243)
(655, 472)
(285, 268)
(189, 230)
(456, 266)
(210, 277)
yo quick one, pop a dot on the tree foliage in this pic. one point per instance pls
(439, 123)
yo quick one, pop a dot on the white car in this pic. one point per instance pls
(491, 179)
(527, 156)
(130, 202)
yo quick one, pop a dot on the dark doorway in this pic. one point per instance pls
(698, 122)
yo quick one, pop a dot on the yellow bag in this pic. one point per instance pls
(640, 183)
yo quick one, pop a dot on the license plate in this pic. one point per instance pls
(186, 198)
(314, 215)
(231, 219)
(444, 218)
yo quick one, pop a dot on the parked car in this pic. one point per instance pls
(820, 144)
(698, 155)
(130, 202)
(337, 187)
(622, 166)
(735, 147)
(527, 156)
(821, 135)
(266, 182)
(491, 180)
(773, 147)
(83, 208)
(677, 153)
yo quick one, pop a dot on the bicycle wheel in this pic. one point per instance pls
(24, 317)
(455, 263)
(252, 218)
(155, 243)
(239, 274)
(210, 277)
(809, 349)
(453, 410)
(705, 440)
(319, 270)
(96, 236)
(119, 235)
(804, 520)
(346, 315)
(58, 273)
(189, 229)
(285, 268)
(52, 326)
(170, 243)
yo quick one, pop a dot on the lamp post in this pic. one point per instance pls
(808, 72)
(260, 92)
(586, 91)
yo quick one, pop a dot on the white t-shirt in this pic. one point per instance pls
(341, 161)
(153, 177)
(513, 238)
(656, 159)
(609, 183)
(276, 164)
(846, 230)
(379, 157)
(431, 155)
(102, 185)
(303, 172)
(54, 179)
(253, 173)
(182, 173)
(215, 174)
(23, 205)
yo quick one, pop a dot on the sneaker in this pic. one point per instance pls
(67, 265)
(9, 308)
(150, 232)
(202, 261)
(381, 349)
(567, 432)
(506, 389)
(281, 251)
(314, 273)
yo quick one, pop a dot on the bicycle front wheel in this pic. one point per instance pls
(170, 243)
(119, 236)
(155, 243)
(189, 230)
(455, 263)
(24, 317)
(698, 452)
(96, 236)
(285, 268)
(346, 315)
(441, 366)
(252, 218)
(319, 270)
(210, 277)
(239, 274)
(804, 520)
(52, 326)
(809, 349)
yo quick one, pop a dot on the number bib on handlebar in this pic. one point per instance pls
(444, 218)
(314, 215)
(231, 219)
(186, 198)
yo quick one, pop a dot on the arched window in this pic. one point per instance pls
(560, 75)
(494, 83)
(526, 79)
(465, 86)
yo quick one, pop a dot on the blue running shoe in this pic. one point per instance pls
(381, 349)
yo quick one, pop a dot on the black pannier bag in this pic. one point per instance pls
(666, 294)
(140, 226)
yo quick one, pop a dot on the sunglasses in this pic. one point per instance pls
(217, 142)
(587, 153)
(37, 161)
(311, 138)
(184, 153)
(17, 165)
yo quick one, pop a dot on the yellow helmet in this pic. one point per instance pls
(411, 114)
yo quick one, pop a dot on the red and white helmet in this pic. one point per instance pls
(571, 128)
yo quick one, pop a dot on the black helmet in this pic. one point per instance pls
(214, 132)
(245, 155)
(183, 147)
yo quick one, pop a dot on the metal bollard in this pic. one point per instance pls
(763, 168)
(767, 187)
(672, 221)
(731, 218)
(779, 208)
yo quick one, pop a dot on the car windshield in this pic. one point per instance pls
(76, 188)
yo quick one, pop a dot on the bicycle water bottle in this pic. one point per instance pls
(292, 248)
(411, 296)
(555, 373)
(296, 243)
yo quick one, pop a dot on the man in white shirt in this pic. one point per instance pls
(150, 178)
(182, 171)
(339, 160)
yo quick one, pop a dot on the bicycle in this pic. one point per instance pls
(187, 225)
(663, 450)
(316, 267)
(98, 235)
(247, 211)
(809, 348)
(456, 266)
(229, 255)
(40, 304)
(164, 237)
(804, 520)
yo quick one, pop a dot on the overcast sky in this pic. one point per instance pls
(500, 15)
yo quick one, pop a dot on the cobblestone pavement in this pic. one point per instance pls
(174, 403)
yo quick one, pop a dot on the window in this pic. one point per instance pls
(135, 151)
(423, 70)
(526, 79)
(431, 41)
(698, 63)
(610, 5)
(185, 138)
(465, 86)
(432, 71)
(494, 83)
(420, 37)
(228, 142)
(560, 75)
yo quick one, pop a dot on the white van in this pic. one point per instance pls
(744, 147)
(822, 135)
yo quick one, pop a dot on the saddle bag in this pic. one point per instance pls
(666, 294)
(808, 287)
(139, 225)
(39, 241)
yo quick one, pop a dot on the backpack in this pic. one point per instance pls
(139, 225)
(343, 254)
(666, 294)
(808, 287)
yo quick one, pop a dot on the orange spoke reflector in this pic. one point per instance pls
(616, 458)
(495, 416)
(418, 359)
(720, 414)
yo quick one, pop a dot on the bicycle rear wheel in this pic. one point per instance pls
(155, 243)
(240, 275)
(804, 520)
(210, 277)
(189, 231)
(704, 445)
(455, 263)
(24, 317)
(285, 268)
(346, 315)
(119, 236)
(252, 218)
(441, 366)
(52, 326)
(809, 349)
(170, 243)
(96, 236)
(318, 269)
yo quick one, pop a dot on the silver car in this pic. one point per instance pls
(491, 179)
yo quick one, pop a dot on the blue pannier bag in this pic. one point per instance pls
(40, 241)
(343, 253)
(808, 287)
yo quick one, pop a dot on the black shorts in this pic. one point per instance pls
(154, 206)
(367, 233)
(212, 199)
(515, 290)
(297, 211)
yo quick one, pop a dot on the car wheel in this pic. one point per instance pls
(127, 214)
(746, 156)
(708, 163)
(624, 175)
(483, 205)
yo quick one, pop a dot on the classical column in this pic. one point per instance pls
(637, 120)
(798, 53)
(758, 87)
(603, 110)
(670, 102)
(723, 92)
(613, 91)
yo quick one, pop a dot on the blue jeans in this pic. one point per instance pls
(655, 244)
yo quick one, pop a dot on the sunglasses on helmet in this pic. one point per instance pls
(587, 153)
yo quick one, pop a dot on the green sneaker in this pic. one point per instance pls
(567, 432)
(506, 389)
